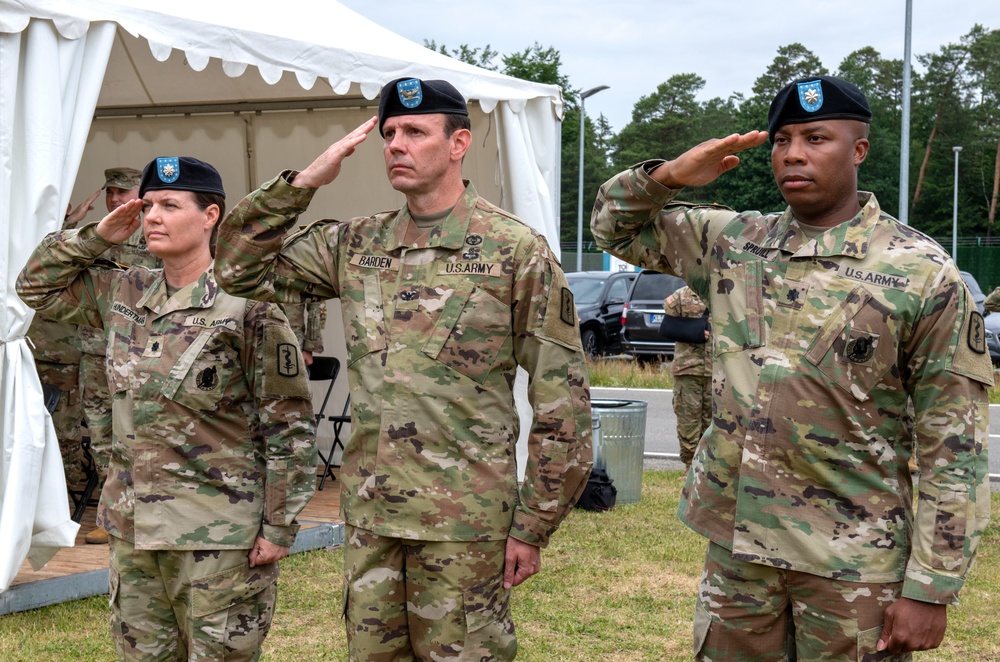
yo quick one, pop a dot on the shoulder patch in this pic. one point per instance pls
(567, 309)
(284, 372)
(976, 333)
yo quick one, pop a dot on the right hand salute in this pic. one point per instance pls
(119, 225)
(326, 167)
(702, 164)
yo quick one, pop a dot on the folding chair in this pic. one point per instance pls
(325, 368)
(338, 425)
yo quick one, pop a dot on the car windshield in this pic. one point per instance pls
(586, 291)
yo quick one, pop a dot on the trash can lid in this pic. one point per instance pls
(611, 404)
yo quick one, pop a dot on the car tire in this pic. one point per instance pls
(591, 346)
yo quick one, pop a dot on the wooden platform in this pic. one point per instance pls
(82, 571)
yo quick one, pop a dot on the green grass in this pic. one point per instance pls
(614, 586)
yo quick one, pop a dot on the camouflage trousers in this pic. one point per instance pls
(747, 611)
(693, 409)
(67, 417)
(95, 401)
(189, 605)
(425, 600)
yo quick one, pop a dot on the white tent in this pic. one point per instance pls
(66, 64)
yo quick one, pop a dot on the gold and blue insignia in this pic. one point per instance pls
(410, 93)
(168, 168)
(811, 95)
(977, 333)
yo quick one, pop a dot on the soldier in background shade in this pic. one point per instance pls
(442, 301)
(826, 319)
(691, 368)
(213, 454)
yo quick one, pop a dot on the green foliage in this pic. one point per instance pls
(955, 101)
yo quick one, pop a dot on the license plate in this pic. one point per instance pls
(655, 318)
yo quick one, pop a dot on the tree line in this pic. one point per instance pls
(955, 101)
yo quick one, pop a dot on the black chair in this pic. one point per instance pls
(326, 369)
(338, 425)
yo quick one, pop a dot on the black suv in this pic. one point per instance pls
(643, 313)
(599, 297)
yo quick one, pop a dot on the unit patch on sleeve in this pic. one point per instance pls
(567, 311)
(977, 333)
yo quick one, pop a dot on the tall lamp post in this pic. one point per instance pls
(579, 211)
(954, 218)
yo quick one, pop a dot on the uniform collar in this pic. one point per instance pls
(850, 238)
(199, 294)
(449, 233)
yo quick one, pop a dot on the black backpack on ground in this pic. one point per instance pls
(600, 493)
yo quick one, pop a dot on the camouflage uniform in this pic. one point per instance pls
(213, 443)
(95, 397)
(817, 346)
(692, 371)
(57, 361)
(307, 321)
(436, 324)
(992, 302)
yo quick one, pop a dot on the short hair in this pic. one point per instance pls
(453, 123)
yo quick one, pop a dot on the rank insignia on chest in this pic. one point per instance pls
(208, 378)
(288, 360)
(154, 347)
(977, 333)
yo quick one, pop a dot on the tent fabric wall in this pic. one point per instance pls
(54, 58)
(50, 87)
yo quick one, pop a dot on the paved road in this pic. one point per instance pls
(661, 425)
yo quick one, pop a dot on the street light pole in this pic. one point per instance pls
(579, 210)
(954, 218)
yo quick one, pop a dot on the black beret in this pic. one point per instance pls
(815, 98)
(180, 173)
(412, 96)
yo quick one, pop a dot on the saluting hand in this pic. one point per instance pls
(702, 164)
(73, 217)
(326, 167)
(119, 225)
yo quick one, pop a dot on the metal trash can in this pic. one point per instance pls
(619, 441)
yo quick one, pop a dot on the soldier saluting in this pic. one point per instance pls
(826, 320)
(212, 453)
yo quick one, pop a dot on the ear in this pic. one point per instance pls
(861, 146)
(461, 140)
(211, 216)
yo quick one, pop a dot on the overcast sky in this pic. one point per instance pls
(633, 46)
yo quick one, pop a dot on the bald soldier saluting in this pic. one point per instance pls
(827, 318)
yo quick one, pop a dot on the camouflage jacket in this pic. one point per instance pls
(436, 325)
(130, 253)
(689, 358)
(992, 301)
(307, 321)
(213, 425)
(818, 346)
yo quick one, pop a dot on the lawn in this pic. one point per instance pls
(614, 586)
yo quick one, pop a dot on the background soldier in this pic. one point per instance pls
(827, 319)
(121, 184)
(692, 371)
(442, 300)
(992, 302)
